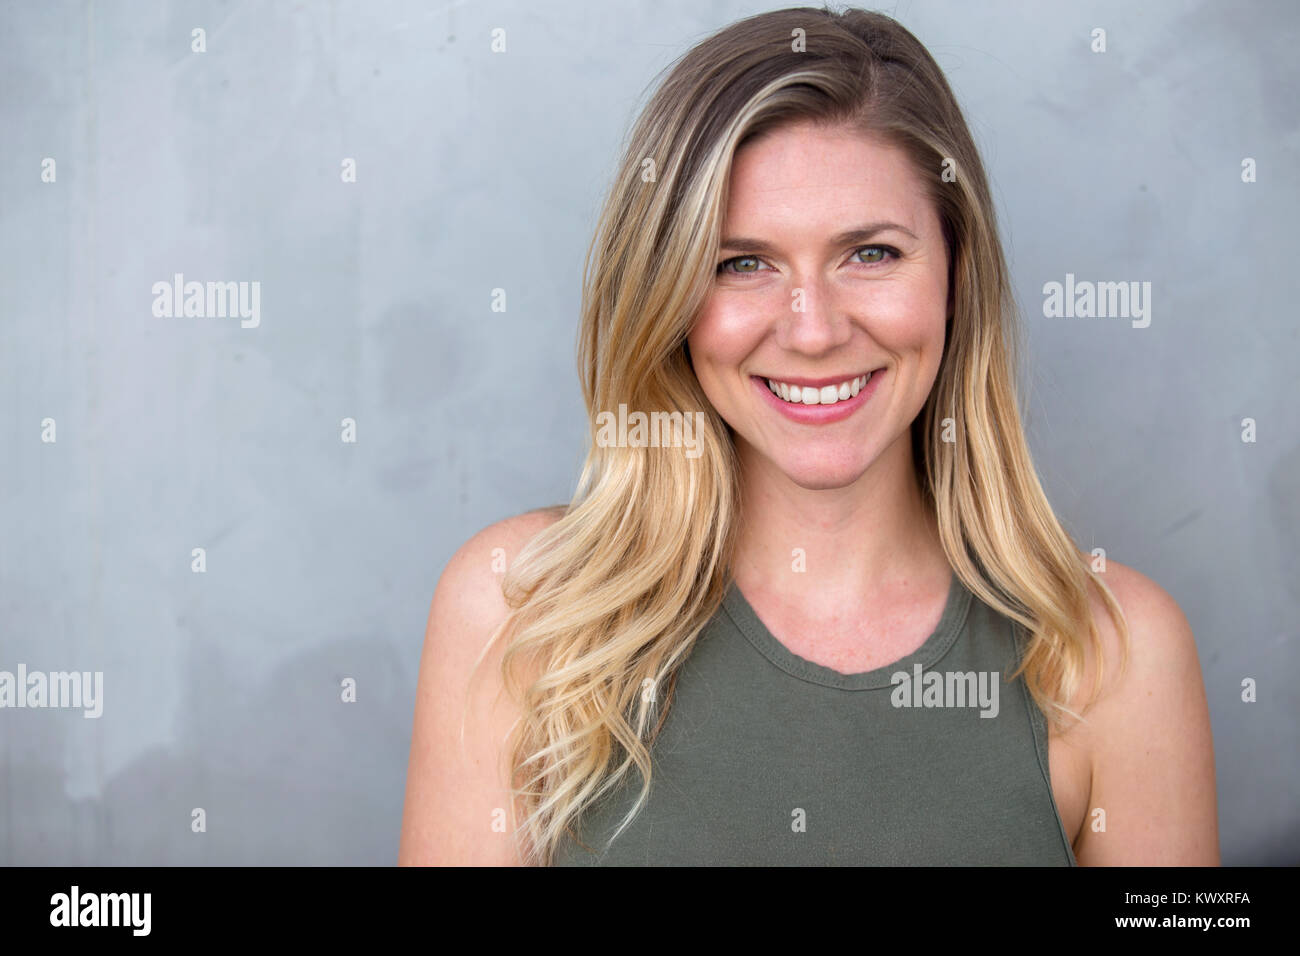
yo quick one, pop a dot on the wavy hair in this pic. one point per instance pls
(606, 603)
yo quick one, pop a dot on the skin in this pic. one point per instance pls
(846, 493)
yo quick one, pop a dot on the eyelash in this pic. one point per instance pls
(722, 266)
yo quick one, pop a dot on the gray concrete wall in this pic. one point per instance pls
(477, 171)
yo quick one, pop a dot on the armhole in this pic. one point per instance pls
(1038, 728)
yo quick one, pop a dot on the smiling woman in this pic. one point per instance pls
(815, 316)
(850, 628)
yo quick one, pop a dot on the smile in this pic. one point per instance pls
(814, 395)
(818, 401)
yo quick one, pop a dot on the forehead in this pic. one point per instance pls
(813, 174)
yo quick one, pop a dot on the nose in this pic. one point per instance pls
(815, 323)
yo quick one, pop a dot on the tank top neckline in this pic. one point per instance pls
(934, 647)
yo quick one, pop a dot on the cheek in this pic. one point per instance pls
(724, 335)
(909, 317)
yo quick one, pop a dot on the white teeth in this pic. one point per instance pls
(827, 395)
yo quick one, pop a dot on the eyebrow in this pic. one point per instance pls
(858, 234)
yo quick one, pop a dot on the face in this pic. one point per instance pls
(832, 283)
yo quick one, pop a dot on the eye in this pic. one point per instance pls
(748, 265)
(722, 266)
(877, 253)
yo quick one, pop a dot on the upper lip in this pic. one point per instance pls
(815, 382)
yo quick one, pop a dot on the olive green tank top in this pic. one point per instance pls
(766, 758)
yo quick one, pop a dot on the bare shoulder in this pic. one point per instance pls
(493, 549)
(1148, 735)
(468, 604)
(1159, 632)
(457, 798)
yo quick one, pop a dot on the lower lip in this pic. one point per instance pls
(819, 414)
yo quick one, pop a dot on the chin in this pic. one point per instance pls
(824, 476)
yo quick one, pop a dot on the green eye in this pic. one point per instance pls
(722, 266)
(876, 253)
(867, 255)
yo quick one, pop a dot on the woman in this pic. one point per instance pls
(839, 623)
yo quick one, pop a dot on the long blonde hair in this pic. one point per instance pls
(606, 603)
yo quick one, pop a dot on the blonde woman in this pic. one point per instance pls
(825, 613)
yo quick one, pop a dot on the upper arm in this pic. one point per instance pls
(457, 808)
(1152, 750)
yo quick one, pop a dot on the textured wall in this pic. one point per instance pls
(477, 171)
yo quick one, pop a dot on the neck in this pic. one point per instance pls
(854, 544)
